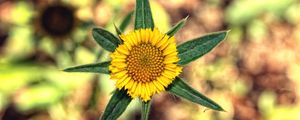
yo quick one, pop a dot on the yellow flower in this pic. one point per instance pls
(145, 64)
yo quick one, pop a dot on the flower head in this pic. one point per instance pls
(145, 64)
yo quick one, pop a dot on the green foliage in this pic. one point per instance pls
(194, 49)
(106, 39)
(177, 27)
(93, 68)
(119, 32)
(143, 15)
(145, 110)
(116, 105)
(182, 89)
(124, 24)
(126, 21)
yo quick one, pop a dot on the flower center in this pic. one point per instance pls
(145, 62)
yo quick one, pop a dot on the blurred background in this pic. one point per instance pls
(254, 74)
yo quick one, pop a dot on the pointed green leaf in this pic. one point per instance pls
(177, 27)
(194, 49)
(126, 21)
(143, 15)
(182, 89)
(116, 105)
(117, 30)
(145, 110)
(105, 39)
(93, 68)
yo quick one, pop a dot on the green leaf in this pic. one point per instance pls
(119, 32)
(93, 68)
(182, 89)
(116, 105)
(105, 39)
(177, 27)
(145, 110)
(194, 49)
(126, 21)
(143, 15)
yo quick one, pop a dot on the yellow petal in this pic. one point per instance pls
(121, 74)
(162, 41)
(128, 46)
(138, 89)
(147, 89)
(138, 36)
(171, 60)
(171, 65)
(125, 81)
(119, 65)
(117, 60)
(169, 74)
(129, 40)
(162, 81)
(170, 49)
(173, 69)
(156, 37)
(115, 70)
(134, 86)
(118, 84)
(133, 38)
(147, 35)
(173, 54)
(122, 49)
(129, 85)
(153, 88)
(114, 56)
(142, 91)
(158, 85)
(143, 35)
